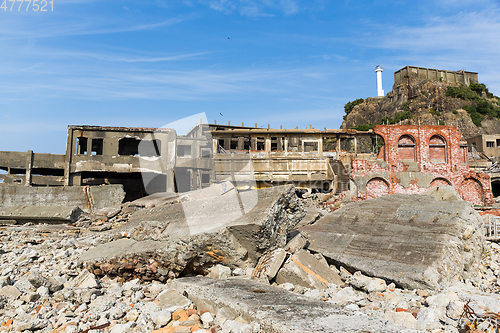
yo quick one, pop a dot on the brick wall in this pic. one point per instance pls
(418, 158)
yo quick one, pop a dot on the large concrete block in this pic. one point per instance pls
(231, 228)
(275, 309)
(43, 214)
(414, 240)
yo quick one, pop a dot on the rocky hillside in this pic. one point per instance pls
(474, 109)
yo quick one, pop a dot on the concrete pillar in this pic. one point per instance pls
(29, 166)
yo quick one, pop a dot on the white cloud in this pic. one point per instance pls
(253, 8)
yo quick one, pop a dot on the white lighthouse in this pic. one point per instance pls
(380, 91)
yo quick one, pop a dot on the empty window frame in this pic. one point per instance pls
(490, 144)
(234, 144)
(205, 152)
(97, 146)
(437, 149)
(81, 146)
(407, 148)
(184, 150)
(294, 144)
(260, 144)
(498, 142)
(277, 143)
(310, 146)
(150, 147)
(128, 147)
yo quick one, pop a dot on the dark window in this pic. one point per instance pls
(183, 150)
(261, 143)
(47, 172)
(97, 145)
(17, 171)
(81, 146)
(234, 144)
(206, 153)
(205, 178)
(150, 148)
(498, 142)
(246, 143)
(490, 144)
(128, 146)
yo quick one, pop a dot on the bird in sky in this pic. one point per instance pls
(220, 114)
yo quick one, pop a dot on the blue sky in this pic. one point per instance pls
(277, 62)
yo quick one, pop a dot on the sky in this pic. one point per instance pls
(279, 62)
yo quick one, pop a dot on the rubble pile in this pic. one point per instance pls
(140, 268)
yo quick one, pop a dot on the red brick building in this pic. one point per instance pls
(415, 158)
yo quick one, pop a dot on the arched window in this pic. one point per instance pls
(406, 148)
(437, 149)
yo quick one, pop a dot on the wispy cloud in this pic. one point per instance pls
(253, 8)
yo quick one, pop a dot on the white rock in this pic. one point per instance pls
(207, 318)
(403, 318)
(233, 326)
(287, 286)
(219, 272)
(161, 318)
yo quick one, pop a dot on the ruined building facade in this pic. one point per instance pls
(460, 76)
(389, 159)
(416, 158)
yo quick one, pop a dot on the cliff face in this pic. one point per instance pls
(424, 101)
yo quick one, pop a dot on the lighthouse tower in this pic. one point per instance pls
(380, 91)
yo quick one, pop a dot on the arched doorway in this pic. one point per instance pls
(376, 187)
(440, 182)
(472, 191)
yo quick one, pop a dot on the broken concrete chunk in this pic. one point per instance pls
(306, 270)
(414, 240)
(10, 292)
(190, 237)
(52, 284)
(219, 272)
(268, 265)
(298, 242)
(366, 283)
(84, 280)
(172, 300)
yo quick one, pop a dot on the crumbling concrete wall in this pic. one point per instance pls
(85, 197)
(417, 158)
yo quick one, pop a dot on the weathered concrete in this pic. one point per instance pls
(413, 240)
(191, 236)
(45, 214)
(84, 197)
(276, 310)
(307, 270)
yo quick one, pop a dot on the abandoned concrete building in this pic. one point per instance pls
(388, 159)
(460, 76)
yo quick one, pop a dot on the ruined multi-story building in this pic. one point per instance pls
(389, 159)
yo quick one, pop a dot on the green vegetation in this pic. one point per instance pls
(441, 122)
(400, 116)
(350, 105)
(436, 113)
(480, 106)
(364, 127)
(455, 112)
(423, 93)
(406, 106)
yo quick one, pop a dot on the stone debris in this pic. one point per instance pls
(47, 285)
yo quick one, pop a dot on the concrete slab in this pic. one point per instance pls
(40, 214)
(414, 240)
(85, 197)
(277, 310)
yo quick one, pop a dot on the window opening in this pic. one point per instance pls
(97, 145)
(128, 146)
(81, 145)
